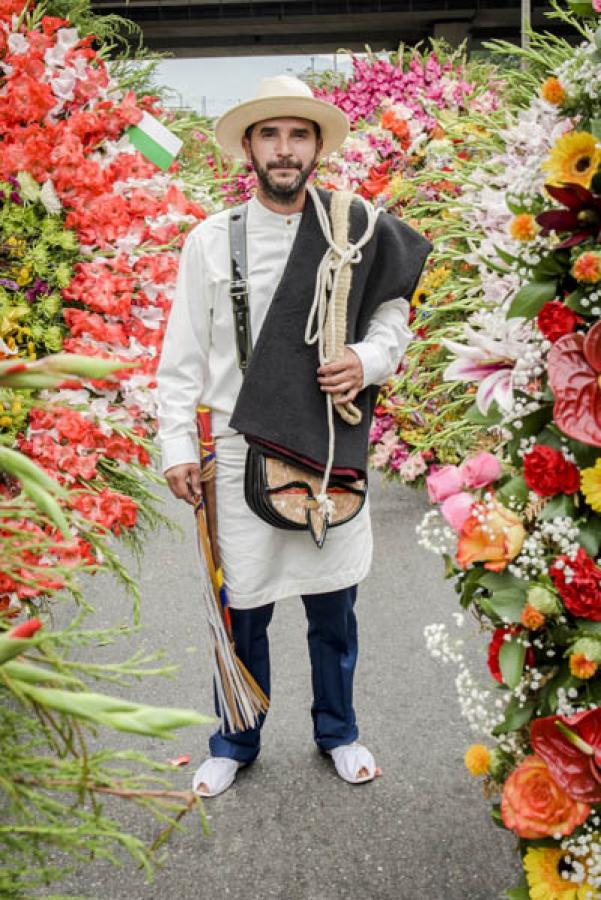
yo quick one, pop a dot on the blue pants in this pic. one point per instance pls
(332, 638)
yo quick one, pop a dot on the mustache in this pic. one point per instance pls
(297, 166)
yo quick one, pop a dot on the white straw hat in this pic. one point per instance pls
(281, 97)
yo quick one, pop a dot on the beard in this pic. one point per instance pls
(283, 193)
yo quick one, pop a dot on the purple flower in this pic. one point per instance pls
(37, 289)
(16, 198)
(9, 283)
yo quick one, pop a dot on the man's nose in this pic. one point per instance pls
(283, 146)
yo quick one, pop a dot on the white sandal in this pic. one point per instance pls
(217, 773)
(350, 759)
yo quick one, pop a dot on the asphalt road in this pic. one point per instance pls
(289, 828)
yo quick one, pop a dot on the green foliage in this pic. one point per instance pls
(531, 298)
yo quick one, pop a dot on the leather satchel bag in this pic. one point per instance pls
(285, 494)
(283, 490)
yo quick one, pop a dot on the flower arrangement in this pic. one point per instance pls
(416, 116)
(89, 238)
(518, 523)
(90, 235)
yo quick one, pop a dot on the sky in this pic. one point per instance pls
(212, 85)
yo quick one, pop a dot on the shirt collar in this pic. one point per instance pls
(260, 214)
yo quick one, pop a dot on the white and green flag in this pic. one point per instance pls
(154, 141)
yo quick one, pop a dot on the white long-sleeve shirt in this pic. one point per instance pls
(199, 364)
(199, 359)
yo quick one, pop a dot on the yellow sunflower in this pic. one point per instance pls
(545, 881)
(590, 485)
(574, 159)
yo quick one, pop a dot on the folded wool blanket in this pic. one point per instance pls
(280, 401)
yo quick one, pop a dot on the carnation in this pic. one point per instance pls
(547, 472)
(578, 582)
(556, 319)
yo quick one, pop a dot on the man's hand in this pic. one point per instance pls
(343, 378)
(184, 481)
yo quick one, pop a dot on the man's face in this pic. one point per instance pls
(283, 153)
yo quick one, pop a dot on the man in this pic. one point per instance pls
(282, 132)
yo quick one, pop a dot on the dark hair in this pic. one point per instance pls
(315, 125)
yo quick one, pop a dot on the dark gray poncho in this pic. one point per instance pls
(280, 401)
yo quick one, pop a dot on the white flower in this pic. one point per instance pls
(49, 198)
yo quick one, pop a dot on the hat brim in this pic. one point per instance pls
(230, 128)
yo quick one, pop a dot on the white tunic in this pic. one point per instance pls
(199, 364)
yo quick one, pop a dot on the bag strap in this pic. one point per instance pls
(239, 285)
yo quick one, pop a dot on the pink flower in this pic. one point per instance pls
(456, 509)
(443, 483)
(481, 470)
(597, 5)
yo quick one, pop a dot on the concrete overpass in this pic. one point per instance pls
(191, 28)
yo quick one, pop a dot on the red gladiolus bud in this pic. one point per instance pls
(25, 629)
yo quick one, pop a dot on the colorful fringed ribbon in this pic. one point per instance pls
(241, 700)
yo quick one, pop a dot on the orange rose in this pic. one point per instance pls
(534, 806)
(492, 534)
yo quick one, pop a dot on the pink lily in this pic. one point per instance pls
(490, 360)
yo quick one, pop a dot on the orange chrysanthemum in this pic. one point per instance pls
(582, 667)
(523, 227)
(531, 618)
(587, 268)
(477, 759)
(552, 91)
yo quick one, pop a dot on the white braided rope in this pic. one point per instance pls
(323, 311)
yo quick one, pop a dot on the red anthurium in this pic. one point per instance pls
(574, 366)
(582, 215)
(571, 747)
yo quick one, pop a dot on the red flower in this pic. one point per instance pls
(548, 472)
(581, 216)
(573, 758)
(556, 319)
(574, 364)
(578, 582)
(377, 180)
(494, 648)
(25, 629)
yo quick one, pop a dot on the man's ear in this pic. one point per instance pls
(319, 146)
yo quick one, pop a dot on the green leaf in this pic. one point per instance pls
(585, 454)
(516, 207)
(500, 581)
(556, 263)
(483, 604)
(535, 421)
(530, 299)
(515, 488)
(589, 626)
(518, 893)
(589, 536)
(515, 716)
(492, 417)
(581, 7)
(508, 604)
(511, 661)
(562, 505)
(574, 301)
(495, 814)
(505, 256)
(468, 586)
